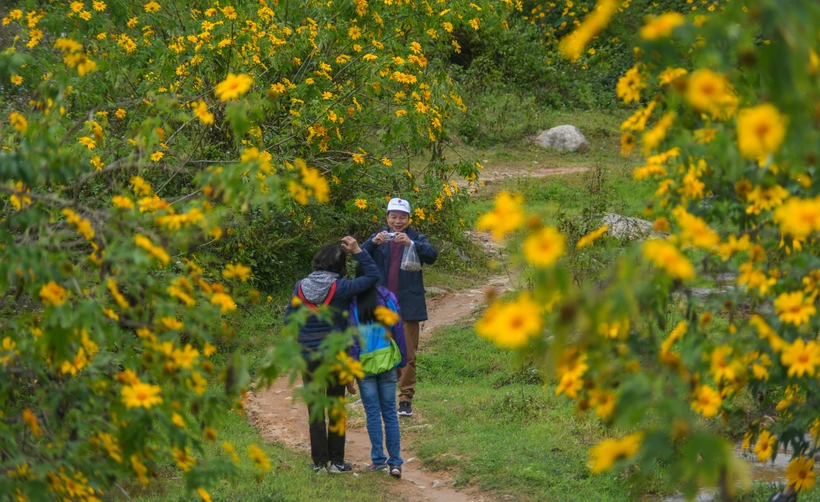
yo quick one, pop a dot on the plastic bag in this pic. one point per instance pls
(410, 259)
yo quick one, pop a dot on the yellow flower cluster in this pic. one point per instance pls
(511, 324)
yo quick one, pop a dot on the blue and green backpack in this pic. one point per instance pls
(379, 352)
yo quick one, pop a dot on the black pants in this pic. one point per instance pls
(325, 445)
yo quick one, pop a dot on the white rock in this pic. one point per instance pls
(436, 484)
(563, 137)
(624, 226)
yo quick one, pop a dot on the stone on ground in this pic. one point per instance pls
(563, 137)
(624, 226)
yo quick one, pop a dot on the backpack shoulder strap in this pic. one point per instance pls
(301, 296)
(330, 293)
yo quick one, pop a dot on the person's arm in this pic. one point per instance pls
(371, 277)
(427, 253)
(369, 245)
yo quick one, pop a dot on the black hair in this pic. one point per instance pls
(332, 258)
(367, 301)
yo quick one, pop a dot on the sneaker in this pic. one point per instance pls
(405, 409)
(340, 467)
(319, 468)
(377, 468)
(395, 471)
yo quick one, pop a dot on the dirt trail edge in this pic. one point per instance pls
(279, 418)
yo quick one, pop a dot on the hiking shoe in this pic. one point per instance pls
(319, 468)
(377, 468)
(340, 467)
(405, 409)
(395, 471)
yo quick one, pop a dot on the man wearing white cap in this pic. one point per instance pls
(386, 248)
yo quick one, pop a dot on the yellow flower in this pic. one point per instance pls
(765, 446)
(156, 251)
(712, 93)
(120, 113)
(387, 162)
(358, 158)
(99, 6)
(604, 455)
(225, 302)
(506, 217)
(53, 294)
(543, 248)
(141, 395)
(614, 329)
(511, 324)
(704, 135)
(183, 459)
(87, 142)
(202, 113)
(18, 122)
(800, 473)
(630, 85)
(572, 45)
(386, 316)
(652, 139)
(799, 217)
(31, 420)
(204, 495)
(591, 237)
(627, 143)
(152, 7)
(16, 80)
(157, 156)
(760, 131)
(122, 202)
(665, 255)
(722, 366)
(763, 199)
(695, 231)
(669, 75)
(793, 308)
(361, 203)
(256, 454)
(801, 357)
(750, 277)
(354, 32)
(238, 271)
(186, 357)
(707, 401)
(233, 86)
(661, 26)
(604, 403)
(177, 420)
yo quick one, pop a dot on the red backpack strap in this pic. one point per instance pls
(312, 306)
(330, 293)
(301, 296)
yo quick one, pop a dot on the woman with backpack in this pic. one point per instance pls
(380, 347)
(326, 285)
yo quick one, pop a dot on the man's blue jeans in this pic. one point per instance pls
(379, 401)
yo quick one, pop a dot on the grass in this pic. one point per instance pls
(498, 428)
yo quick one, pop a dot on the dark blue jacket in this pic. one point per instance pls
(383, 296)
(411, 284)
(315, 330)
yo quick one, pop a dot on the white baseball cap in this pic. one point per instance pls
(398, 205)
